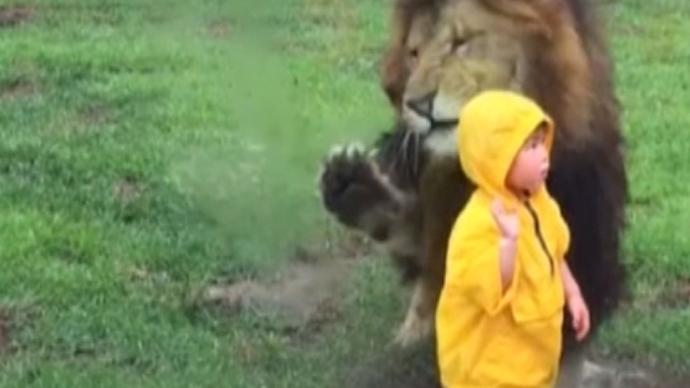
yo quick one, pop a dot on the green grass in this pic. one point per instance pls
(147, 148)
(650, 56)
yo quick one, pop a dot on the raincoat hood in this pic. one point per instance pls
(493, 127)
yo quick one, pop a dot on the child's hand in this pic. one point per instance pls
(507, 222)
(580, 313)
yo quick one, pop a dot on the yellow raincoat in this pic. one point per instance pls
(487, 337)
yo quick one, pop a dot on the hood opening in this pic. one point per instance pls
(493, 129)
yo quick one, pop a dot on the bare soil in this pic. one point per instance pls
(17, 88)
(307, 296)
(14, 15)
(4, 333)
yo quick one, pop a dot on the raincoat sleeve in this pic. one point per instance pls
(473, 265)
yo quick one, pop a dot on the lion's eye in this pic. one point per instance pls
(460, 45)
(412, 57)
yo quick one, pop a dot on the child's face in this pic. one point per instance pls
(531, 165)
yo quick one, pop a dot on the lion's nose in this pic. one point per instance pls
(423, 106)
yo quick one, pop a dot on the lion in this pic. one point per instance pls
(406, 191)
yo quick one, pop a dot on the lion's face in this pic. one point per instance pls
(452, 53)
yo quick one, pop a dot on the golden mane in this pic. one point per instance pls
(568, 68)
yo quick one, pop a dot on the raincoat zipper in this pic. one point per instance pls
(537, 230)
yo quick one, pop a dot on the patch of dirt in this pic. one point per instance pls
(677, 296)
(607, 373)
(338, 242)
(127, 190)
(603, 375)
(4, 333)
(17, 88)
(220, 29)
(672, 295)
(11, 16)
(302, 299)
(396, 368)
(306, 296)
(246, 352)
(144, 275)
(95, 114)
(416, 368)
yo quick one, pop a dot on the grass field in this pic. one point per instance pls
(151, 148)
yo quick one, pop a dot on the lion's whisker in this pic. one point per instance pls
(405, 147)
(415, 166)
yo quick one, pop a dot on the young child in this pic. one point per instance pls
(500, 313)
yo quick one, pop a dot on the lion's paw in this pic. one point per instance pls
(413, 330)
(350, 186)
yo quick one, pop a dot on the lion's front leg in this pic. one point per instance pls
(419, 319)
(355, 190)
(440, 203)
